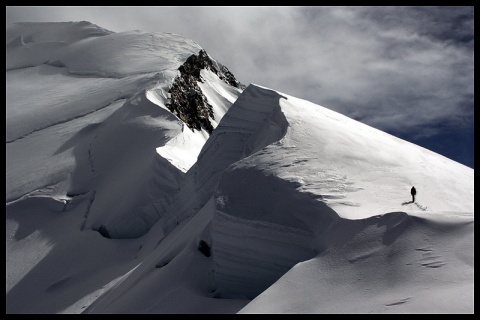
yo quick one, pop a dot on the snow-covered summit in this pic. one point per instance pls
(142, 177)
(309, 175)
(71, 85)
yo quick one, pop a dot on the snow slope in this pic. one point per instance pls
(295, 244)
(328, 179)
(115, 205)
(86, 102)
(83, 129)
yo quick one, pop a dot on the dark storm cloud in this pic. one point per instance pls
(394, 67)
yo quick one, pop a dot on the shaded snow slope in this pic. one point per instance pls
(94, 74)
(42, 96)
(124, 169)
(174, 277)
(53, 264)
(48, 106)
(392, 263)
(86, 125)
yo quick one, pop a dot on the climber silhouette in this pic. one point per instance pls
(413, 192)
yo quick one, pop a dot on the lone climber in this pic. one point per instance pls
(413, 192)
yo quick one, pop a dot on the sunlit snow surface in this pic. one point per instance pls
(304, 209)
(326, 191)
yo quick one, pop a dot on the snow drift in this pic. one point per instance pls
(143, 178)
(289, 196)
(117, 114)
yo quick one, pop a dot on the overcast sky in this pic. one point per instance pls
(404, 70)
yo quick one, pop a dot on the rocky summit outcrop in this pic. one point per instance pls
(186, 98)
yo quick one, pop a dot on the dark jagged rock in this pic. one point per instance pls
(186, 98)
(204, 248)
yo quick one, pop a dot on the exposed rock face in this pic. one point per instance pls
(186, 98)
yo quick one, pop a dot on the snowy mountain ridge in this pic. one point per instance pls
(152, 181)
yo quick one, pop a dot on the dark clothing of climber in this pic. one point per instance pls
(413, 192)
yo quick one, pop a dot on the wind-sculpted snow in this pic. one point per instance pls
(63, 81)
(132, 217)
(43, 96)
(86, 75)
(296, 186)
(44, 159)
(65, 32)
(86, 61)
(251, 123)
(152, 52)
(128, 139)
(31, 44)
(263, 252)
(384, 264)
(261, 228)
(85, 49)
(115, 205)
